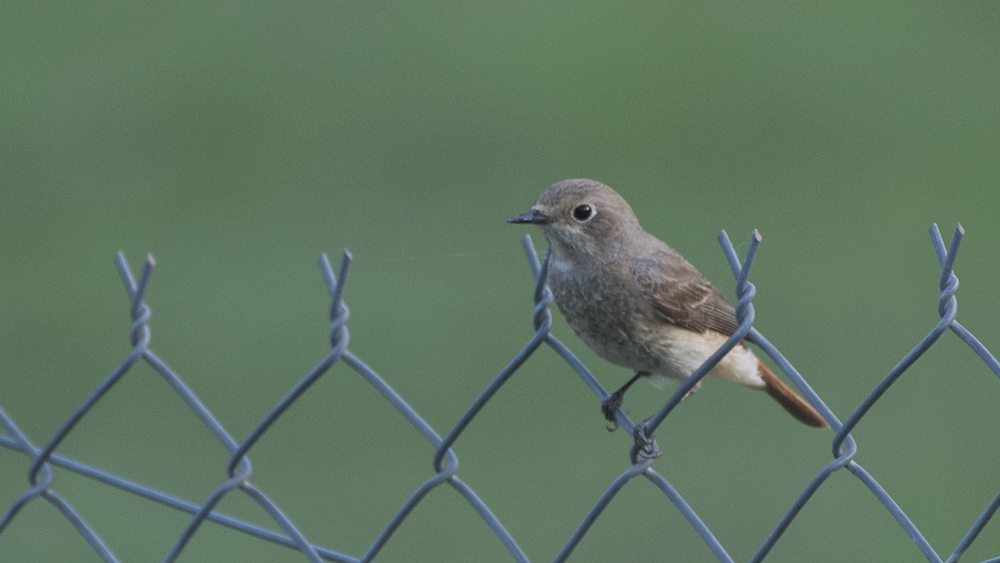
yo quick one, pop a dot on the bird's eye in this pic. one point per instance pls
(583, 212)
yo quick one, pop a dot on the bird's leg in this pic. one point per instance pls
(648, 448)
(615, 400)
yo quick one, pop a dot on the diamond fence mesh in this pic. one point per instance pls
(41, 482)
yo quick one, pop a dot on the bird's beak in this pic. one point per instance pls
(535, 217)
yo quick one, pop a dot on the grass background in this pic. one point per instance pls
(238, 141)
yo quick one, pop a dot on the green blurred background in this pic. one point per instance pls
(237, 141)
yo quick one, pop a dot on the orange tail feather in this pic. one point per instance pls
(789, 399)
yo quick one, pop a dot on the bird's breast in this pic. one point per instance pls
(603, 313)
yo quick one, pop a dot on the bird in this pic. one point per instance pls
(636, 302)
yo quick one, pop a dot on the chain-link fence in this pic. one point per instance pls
(41, 483)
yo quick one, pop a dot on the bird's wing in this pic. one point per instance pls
(678, 292)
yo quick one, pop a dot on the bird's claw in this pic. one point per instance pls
(609, 406)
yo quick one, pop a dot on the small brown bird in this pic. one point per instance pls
(636, 302)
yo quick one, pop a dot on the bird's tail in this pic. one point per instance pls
(789, 399)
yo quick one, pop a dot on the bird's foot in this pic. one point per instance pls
(647, 446)
(610, 405)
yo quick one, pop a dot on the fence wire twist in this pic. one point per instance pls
(445, 461)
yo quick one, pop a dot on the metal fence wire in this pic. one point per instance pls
(445, 461)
